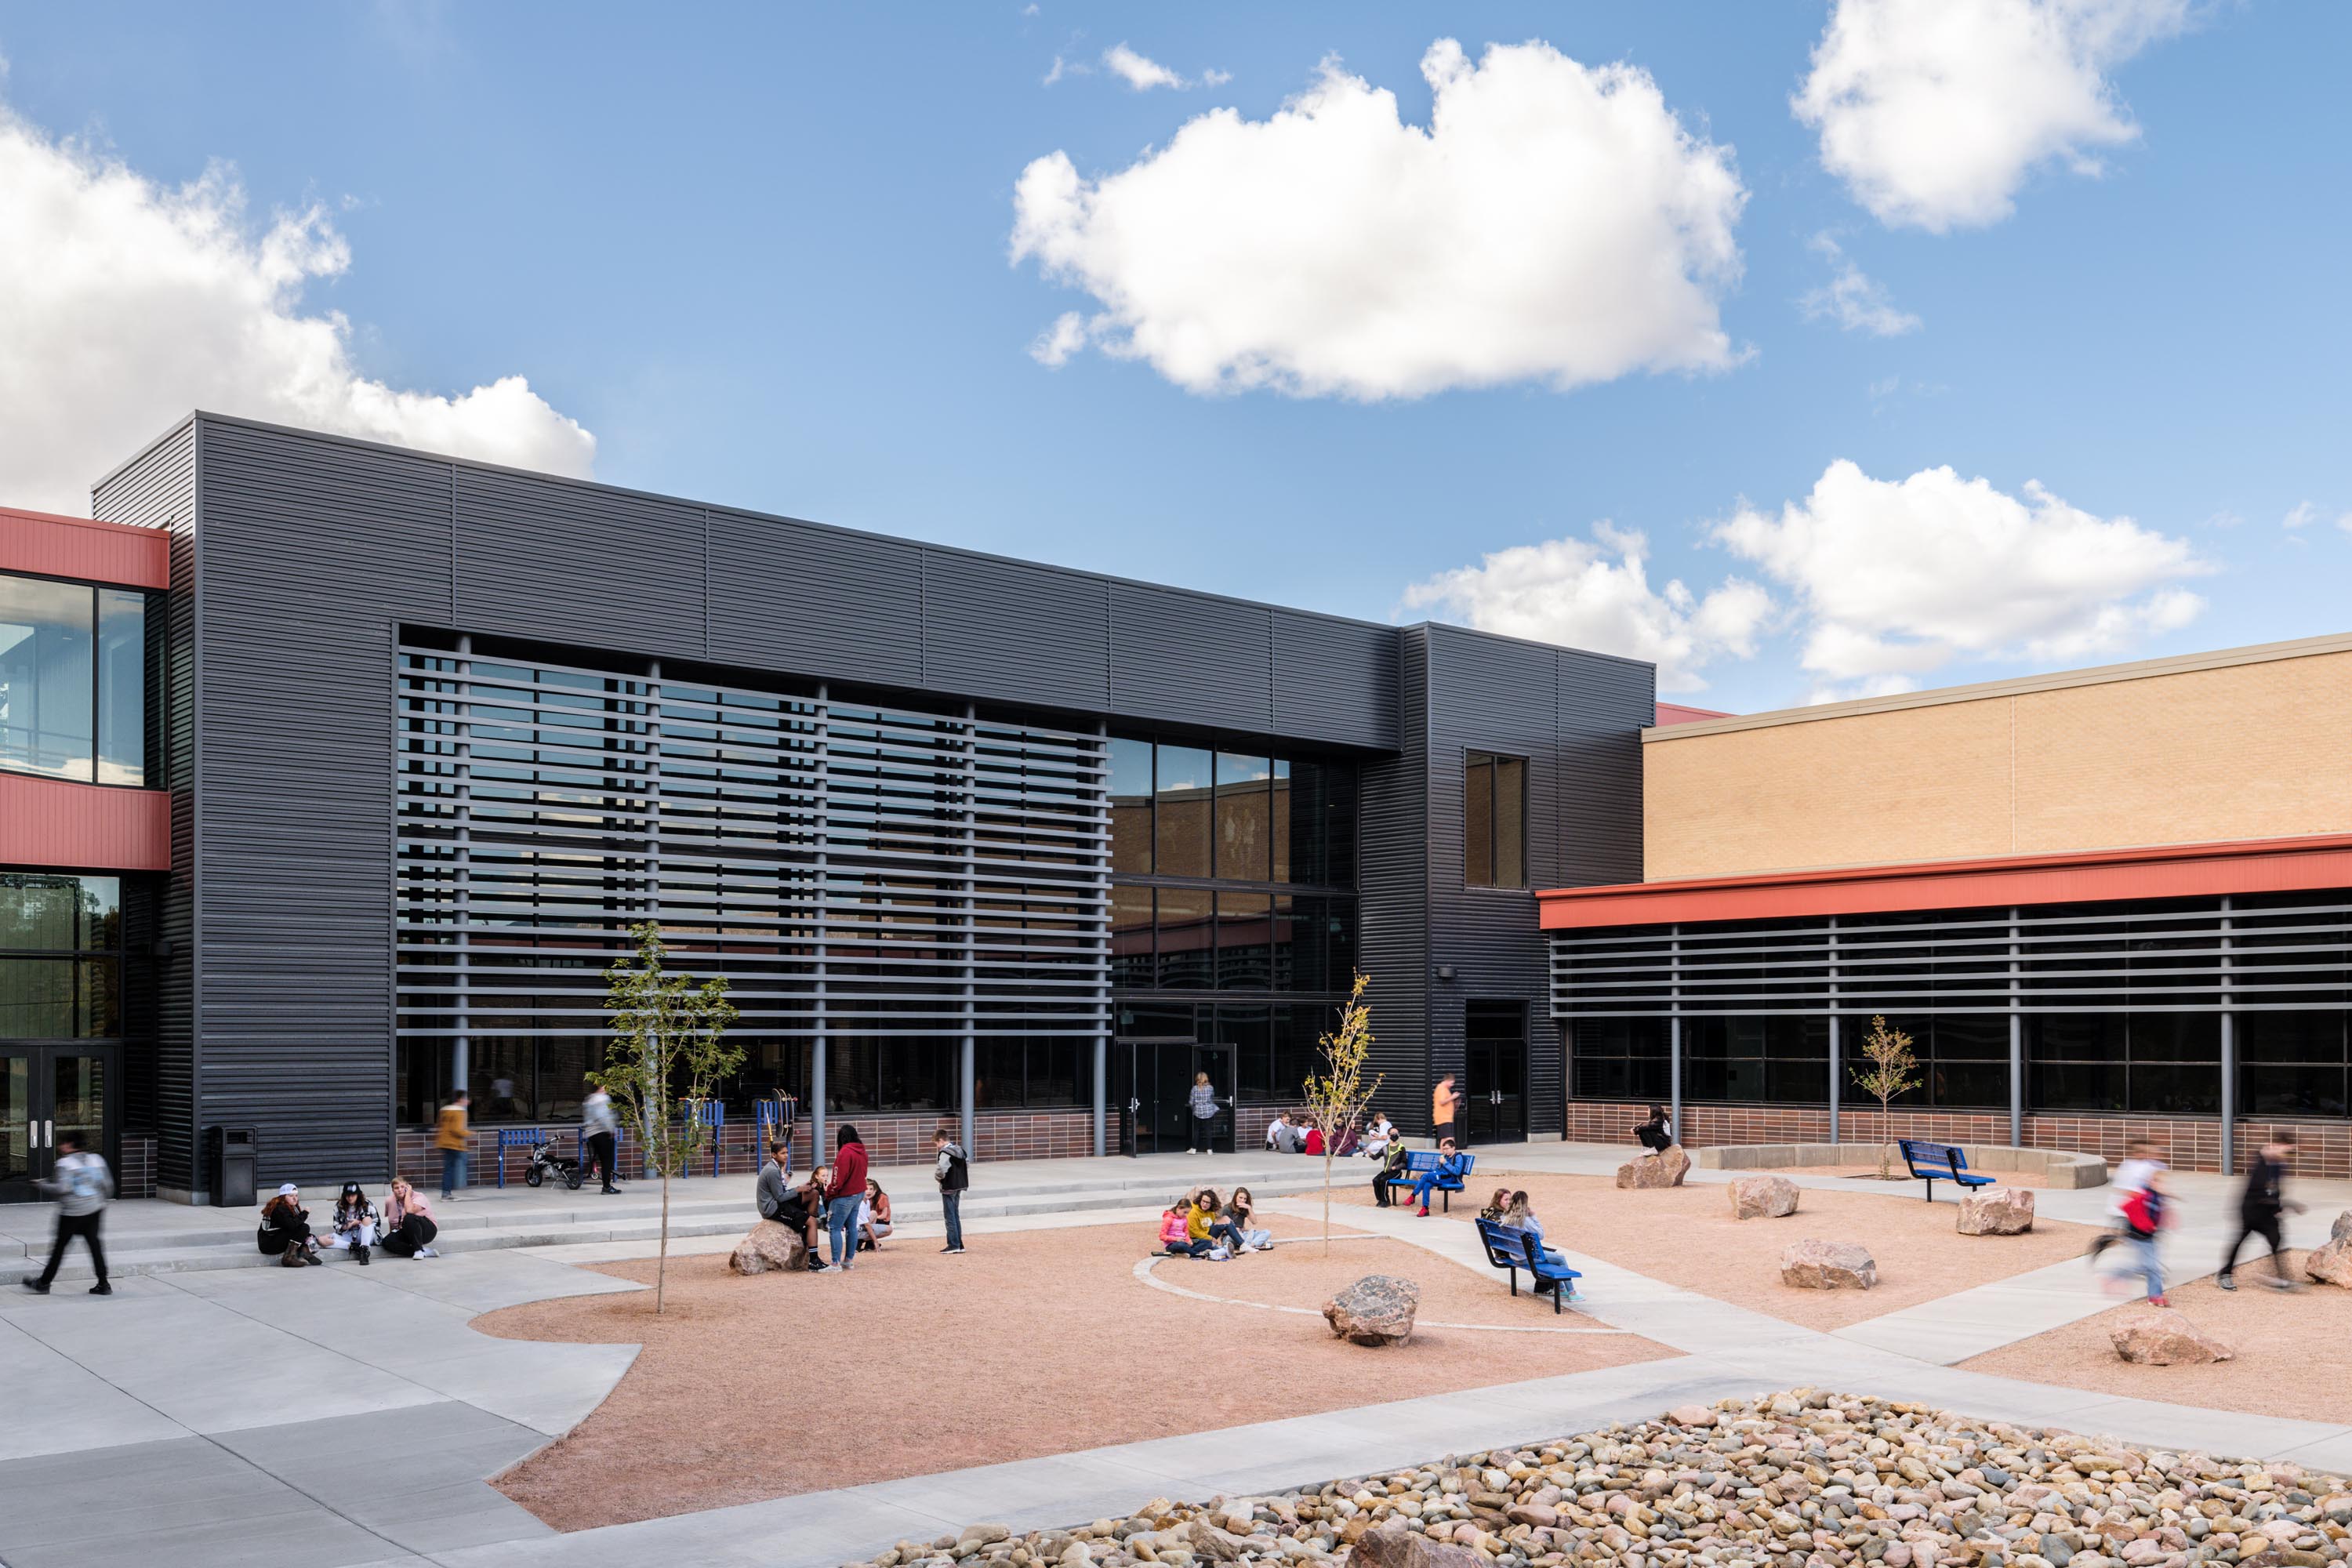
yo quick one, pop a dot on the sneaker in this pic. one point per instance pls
(610, 1192)
(845, 1268)
(102, 1288)
(816, 1265)
(35, 1286)
(2157, 1301)
(427, 1252)
(1423, 1212)
(363, 1255)
(2226, 1283)
(2275, 1283)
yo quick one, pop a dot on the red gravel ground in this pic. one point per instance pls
(2294, 1352)
(1032, 1343)
(1686, 1236)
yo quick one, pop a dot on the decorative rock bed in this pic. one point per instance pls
(1801, 1480)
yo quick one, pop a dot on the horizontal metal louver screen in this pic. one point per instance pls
(849, 867)
(2275, 951)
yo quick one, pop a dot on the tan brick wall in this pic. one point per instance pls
(2253, 750)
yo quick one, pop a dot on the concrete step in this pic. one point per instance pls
(491, 1226)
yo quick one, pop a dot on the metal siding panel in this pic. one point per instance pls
(1187, 656)
(1010, 630)
(1393, 885)
(603, 568)
(1334, 681)
(815, 601)
(158, 490)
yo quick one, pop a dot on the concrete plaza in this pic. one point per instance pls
(215, 1413)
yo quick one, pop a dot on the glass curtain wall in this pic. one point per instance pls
(1232, 900)
(61, 956)
(73, 680)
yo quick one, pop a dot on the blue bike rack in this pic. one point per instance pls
(516, 1138)
(713, 1114)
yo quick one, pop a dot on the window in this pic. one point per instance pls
(1130, 808)
(1184, 788)
(2157, 1063)
(61, 956)
(73, 680)
(1493, 821)
(1620, 1058)
(2292, 1064)
(1244, 834)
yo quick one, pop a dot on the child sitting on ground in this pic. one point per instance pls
(1175, 1231)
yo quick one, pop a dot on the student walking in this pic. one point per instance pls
(1445, 1104)
(449, 1137)
(2144, 1221)
(409, 1227)
(2131, 1178)
(2259, 1208)
(952, 1171)
(1202, 1104)
(81, 1185)
(603, 1130)
(842, 1196)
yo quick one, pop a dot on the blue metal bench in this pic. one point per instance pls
(1419, 1162)
(1516, 1250)
(1932, 1162)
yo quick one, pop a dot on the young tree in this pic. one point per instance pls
(1339, 1094)
(669, 1050)
(1893, 1070)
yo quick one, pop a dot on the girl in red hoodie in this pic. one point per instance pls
(842, 1196)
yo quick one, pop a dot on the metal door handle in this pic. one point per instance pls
(50, 1130)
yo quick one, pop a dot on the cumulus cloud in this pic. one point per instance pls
(1933, 111)
(1140, 72)
(1595, 593)
(1853, 300)
(124, 303)
(1897, 578)
(1554, 222)
(1056, 344)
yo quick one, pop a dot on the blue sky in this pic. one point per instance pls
(763, 257)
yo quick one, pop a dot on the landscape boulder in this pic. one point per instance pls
(1828, 1266)
(1375, 1310)
(2331, 1264)
(2162, 1337)
(1395, 1546)
(1997, 1210)
(2342, 1229)
(769, 1246)
(1763, 1197)
(1667, 1170)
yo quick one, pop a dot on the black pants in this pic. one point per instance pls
(1443, 1131)
(600, 1155)
(1381, 1188)
(412, 1233)
(69, 1226)
(1653, 1139)
(2264, 1225)
(1204, 1130)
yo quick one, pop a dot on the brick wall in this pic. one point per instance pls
(2323, 1148)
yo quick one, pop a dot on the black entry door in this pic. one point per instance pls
(1218, 1062)
(1151, 1079)
(1494, 1089)
(47, 1090)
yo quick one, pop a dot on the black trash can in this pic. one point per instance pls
(232, 1155)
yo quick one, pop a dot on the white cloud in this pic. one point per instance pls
(1595, 593)
(1853, 300)
(1900, 577)
(2304, 515)
(1062, 67)
(1140, 72)
(128, 302)
(1933, 111)
(1555, 222)
(1056, 344)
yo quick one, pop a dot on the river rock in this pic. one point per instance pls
(1997, 1210)
(2331, 1264)
(1375, 1310)
(769, 1246)
(1667, 1170)
(1828, 1266)
(2162, 1337)
(1394, 1546)
(1763, 1197)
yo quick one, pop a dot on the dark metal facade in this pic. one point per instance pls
(301, 560)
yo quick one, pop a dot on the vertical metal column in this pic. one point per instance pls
(1675, 1032)
(1837, 1063)
(460, 1064)
(2016, 1040)
(820, 932)
(2229, 1046)
(1102, 955)
(650, 793)
(970, 790)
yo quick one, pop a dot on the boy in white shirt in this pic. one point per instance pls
(2131, 1177)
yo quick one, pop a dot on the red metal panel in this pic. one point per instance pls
(110, 553)
(52, 824)
(1671, 713)
(2166, 871)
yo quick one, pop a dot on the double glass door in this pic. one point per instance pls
(1494, 1089)
(1151, 1090)
(46, 1093)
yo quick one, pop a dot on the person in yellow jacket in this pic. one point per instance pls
(450, 1139)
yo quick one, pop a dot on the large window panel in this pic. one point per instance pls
(1130, 808)
(1130, 937)
(1245, 945)
(1244, 835)
(1187, 938)
(1493, 821)
(47, 695)
(122, 685)
(1183, 793)
(1478, 821)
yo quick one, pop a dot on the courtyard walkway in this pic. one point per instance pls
(216, 1416)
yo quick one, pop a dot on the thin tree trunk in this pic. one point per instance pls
(1327, 1194)
(661, 1268)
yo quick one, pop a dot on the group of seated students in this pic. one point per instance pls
(1370, 1138)
(1197, 1226)
(404, 1226)
(802, 1208)
(1510, 1209)
(1448, 1167)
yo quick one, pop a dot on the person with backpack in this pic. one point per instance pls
(81, 1185)
(2144, 1218)
(2130, 1179)
(2260, 1208)
(952, 1171)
